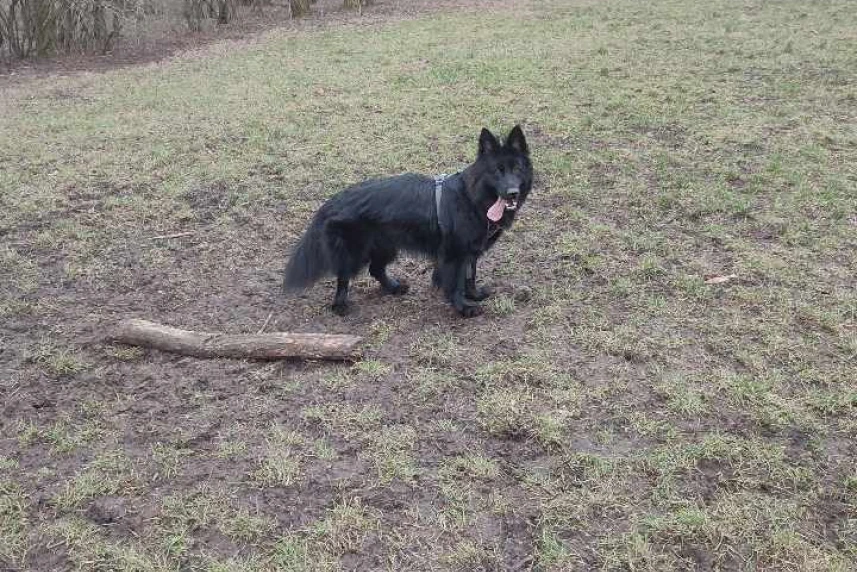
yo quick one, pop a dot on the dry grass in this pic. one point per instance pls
(614, 410)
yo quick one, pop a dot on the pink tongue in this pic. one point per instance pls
(496, 211)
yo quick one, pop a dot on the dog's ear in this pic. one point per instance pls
(487, 143)
(516, 141)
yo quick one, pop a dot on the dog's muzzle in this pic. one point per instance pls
(511, 198)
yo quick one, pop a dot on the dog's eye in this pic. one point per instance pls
(501, 169)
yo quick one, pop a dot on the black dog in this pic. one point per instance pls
(453, 220)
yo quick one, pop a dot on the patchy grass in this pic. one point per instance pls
(58, 361)
(13, 521)
(346, 526)
(281, 464)
(168, 457)
(206, 510)
(664, 378)
(391, 453)
(65, 435)
(109, 474)
(88, 547)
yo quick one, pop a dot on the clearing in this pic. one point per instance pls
(614, 409)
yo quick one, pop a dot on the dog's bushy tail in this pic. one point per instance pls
(309, 261)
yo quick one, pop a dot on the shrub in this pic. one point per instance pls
(43, 27)
(196, 12)
(299, 8)
(359, 4)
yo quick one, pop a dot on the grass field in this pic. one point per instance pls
(613, 409)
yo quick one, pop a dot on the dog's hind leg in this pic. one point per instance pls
(378, 261)
(344, 249)
(340, 299)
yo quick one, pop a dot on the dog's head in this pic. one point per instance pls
(505, 173)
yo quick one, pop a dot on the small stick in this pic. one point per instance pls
(165, 236)
(265, 325)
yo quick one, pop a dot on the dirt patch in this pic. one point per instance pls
(107, 510)
(208, 201)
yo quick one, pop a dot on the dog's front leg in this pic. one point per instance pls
(471, 291)
(453, 276)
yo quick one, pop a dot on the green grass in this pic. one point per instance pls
(391, 453)
(168, 457)
(13, 521)
(613, 410)
(58, 361)
(89, 549)
(63, 436)
(281, 463)
(109, 474)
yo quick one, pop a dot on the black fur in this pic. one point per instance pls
(371, 222)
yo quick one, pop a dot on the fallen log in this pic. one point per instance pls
(274, 345)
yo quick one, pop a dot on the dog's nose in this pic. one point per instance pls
(512, 192)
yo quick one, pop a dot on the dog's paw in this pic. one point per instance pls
(397, 287)
(480, 293)
(340, 309)
(471, 310)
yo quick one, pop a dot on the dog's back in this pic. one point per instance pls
(383, 215)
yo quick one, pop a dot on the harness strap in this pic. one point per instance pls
(438, 194)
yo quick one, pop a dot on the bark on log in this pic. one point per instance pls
(274, 345)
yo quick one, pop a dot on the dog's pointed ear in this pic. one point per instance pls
(487, 142)
(516, 141)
